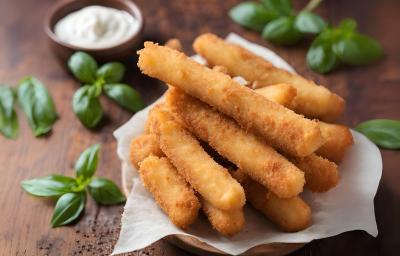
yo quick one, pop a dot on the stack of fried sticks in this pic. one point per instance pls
(271, 135)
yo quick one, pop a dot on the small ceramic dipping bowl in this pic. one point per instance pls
(118, 52)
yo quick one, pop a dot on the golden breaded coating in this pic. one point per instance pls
(338, 139)
(280, 126)
(321, 174)
(312, 100)
(174, 43)
(228, 223)
(221, 69)
(244, 149)
(170, 191)
(290, 214)
(207, 177)
(143, 146)
(282, 94)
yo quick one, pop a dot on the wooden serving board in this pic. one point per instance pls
(195, 246)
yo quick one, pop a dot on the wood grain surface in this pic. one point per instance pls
(371, 92)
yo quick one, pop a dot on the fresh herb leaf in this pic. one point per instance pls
(279, 7)
(86, 164)
(251, 15)
(49, 186)
(68, 208)
(320, 56)
(282, 31)
(83, 66)
(308, 22)
(383, 132)
(111, 72)
(348, 25)
(37, 104)
(86, 105)
(8, 116)
(125, 96)
(104, 191)
(357, 49)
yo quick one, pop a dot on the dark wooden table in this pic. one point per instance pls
(371, 92)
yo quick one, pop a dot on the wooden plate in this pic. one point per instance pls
(195, 246)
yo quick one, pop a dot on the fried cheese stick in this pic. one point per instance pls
(321, 174)
(142, 146)
(280, 126)
(282, 94)
(228, 223)
(338, 139)
(312, 100)
(290, 214)
(207, 177)
(245, 150)
(170, 190)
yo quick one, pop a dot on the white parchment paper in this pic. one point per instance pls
(349, 206)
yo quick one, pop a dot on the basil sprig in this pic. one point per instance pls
(342, 44)
(279, 23)
(86, 101)
(70, 192)
(37, 105)
(383, 132)
(8, 117)
(277, 20)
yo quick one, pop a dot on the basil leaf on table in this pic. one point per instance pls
(307, 22)
(125, 96)
(282, 31)
(357, 49)
(320, 56)
(86, 106)
(111, 72)
(104, 191)
(68, 208)
(348, 25)
(383, 132)
(280, 7)
(86, 164)
(49, 186)
(251, 15)
(37, 104)
(83, 66)
(8, 116)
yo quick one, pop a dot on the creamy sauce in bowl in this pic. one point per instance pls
(96, 27)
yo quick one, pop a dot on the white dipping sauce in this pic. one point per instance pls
(96, 27)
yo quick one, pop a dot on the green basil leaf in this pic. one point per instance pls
(83, 66)
(282, 31)
(383, 132)
(280, 7)
(321, 58)
(308, 22)
(125, 96)
(111, 72)
(86, 105)
(348, 25)
(68, 208)
(49, 186)
(104, 191)
(37, 104)
(86, 164)
(251, 15)
(357, 49)
(8, 116)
